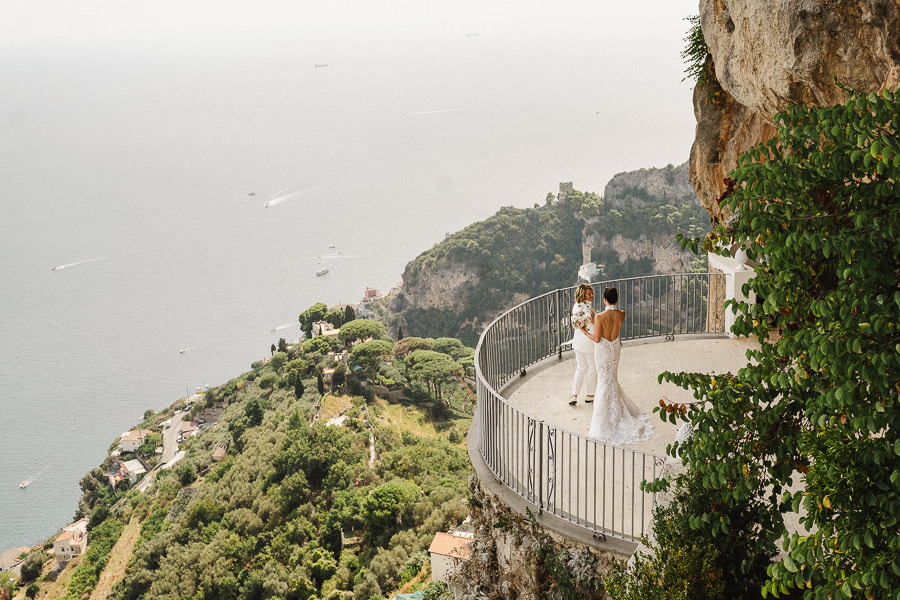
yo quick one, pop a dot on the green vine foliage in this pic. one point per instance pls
(818, 206)
(696, 52)
(698, 62)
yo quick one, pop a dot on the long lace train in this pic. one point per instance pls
(615, 420)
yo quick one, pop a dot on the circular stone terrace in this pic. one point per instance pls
(530, 447)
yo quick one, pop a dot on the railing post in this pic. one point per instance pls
(551, 315)
(539, 448)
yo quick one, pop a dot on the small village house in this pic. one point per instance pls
(133, 439)
(188, 428)
(448, 551)
(321, 327)
(133, 470)
(370, 295)
(340, 357)
(71, 542)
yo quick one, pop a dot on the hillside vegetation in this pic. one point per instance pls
(326, 491)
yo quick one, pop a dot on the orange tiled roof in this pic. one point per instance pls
(65, 535)
(450, 545)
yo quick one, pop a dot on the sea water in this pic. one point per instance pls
(167, 197)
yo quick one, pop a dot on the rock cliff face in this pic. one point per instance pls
(635, 190)
(441, 285)
(769, 55)
(646, 185)
(666, 258)
(510, 554)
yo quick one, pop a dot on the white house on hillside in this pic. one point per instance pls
(71, 542)
(447, 551)
(132, 440)
(133, 469)
(321, 327)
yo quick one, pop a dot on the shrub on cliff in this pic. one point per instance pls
(694, 563)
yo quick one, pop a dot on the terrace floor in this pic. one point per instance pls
(544, 391)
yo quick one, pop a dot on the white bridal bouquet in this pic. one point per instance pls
(581, 314)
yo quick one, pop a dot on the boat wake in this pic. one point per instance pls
(281, 199)
(75, 264)
(285, 326)
(26, 482)
(186, 350)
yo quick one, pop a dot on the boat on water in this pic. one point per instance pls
(24, 484)
(321, 272)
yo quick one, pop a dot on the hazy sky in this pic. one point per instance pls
(624, 55)
(98, 20)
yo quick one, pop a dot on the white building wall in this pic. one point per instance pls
(736, 275)
(441, 567)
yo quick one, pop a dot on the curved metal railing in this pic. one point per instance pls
(590, 484)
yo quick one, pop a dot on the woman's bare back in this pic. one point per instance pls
(608, 324)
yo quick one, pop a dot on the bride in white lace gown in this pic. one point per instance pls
(616, 420)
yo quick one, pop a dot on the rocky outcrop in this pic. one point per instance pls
(653, 185)
(634, 190)
(440, 284)
(667, 258)
(472, 276)
(770, 55)
(725, 130)
(510, 555)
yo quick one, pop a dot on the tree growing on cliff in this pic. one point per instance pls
(370, 354)
(314, 313)
(433, 368)
(361, 329)
(818, 206)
